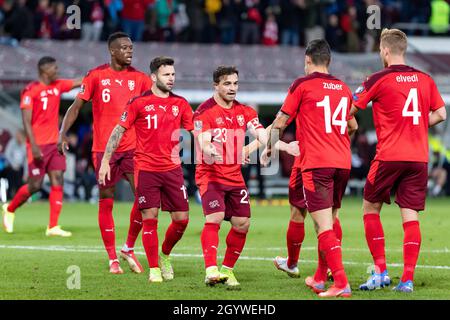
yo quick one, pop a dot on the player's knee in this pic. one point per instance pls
(242, 226)
(107, 193)
(298, 215)
(34, 186)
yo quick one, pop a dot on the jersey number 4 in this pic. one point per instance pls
(341, 111)
(414, 100)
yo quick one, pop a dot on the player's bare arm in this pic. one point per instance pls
(437, 116)
(77, 82)
(291, 147)
(279, 124)
(26, 119)
(111, 146)
(207, 147)
(352, 126)
(353, 110)
(69, 118)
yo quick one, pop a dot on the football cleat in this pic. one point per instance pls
(155, 275)
(133, 262)
(407, 287)
(58, 232)
(8, 218)
(281, 264)
(213, 276)
(316, 286)
(335, 292)
(166, 267)
(376, 281)
(231, 282)
(114, 267)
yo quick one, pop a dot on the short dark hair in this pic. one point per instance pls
(319, 51)
(116, 35)
(224, 71)
(160, 61)
(45, 60)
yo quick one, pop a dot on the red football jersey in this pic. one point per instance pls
(320, 104)
(402, 97)
(157, 122)
(227, 127)
(44, 101)
(110, 91)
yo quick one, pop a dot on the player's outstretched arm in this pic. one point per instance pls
(111, 146)
(26, 119)
(77, 82)
(352, 126)
(206, 146)
(278, 126)
(69, 118)
(353, 110)
(437, 116)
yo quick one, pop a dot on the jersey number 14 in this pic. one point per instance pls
(341, 111)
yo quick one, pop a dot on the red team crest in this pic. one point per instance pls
(131, 84)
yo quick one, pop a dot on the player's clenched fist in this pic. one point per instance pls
(62, 144)
(104, 173)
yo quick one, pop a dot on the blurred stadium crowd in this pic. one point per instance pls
(268, 22)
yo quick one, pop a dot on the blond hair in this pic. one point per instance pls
(395, 40)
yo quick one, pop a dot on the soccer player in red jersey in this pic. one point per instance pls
(405, 102)
(40, 114)
(320, 104)
(110, 87)
(220, 124)
(157, 116)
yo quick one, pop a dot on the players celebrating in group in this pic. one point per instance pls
(137, 122)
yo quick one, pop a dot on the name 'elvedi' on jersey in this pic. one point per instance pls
(413, 78)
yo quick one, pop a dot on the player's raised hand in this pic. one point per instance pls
(293, 148)
(36, 152)
(62, 144)
(104, 173)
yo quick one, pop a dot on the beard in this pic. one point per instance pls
(161, 86)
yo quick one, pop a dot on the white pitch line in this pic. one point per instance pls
(85, 249)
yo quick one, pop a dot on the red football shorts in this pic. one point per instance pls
(296, 196)
(165, 190)
(121, 163)
(324, 187)
(407, 180)
(52, 160)
(233, 200)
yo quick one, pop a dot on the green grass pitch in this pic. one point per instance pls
(33, 266)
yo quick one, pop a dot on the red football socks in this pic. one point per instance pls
(21, 196)
(411, 248)
(235, 244)
(210, 243)
(135, 225)
(173, 235)
(375, 240)
(331, 249)
(337, 230)
(55, 199)
(150, 241)
(106, 224)
(294, 238)
(322, 267)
